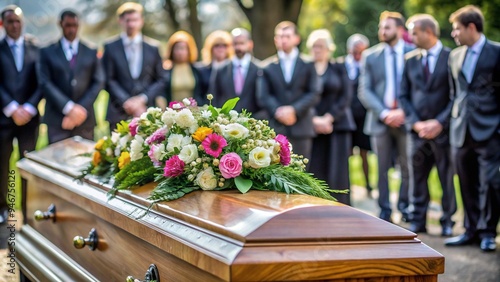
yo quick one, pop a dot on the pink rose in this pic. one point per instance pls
(132, 126)
(230, 165)
(173, 167)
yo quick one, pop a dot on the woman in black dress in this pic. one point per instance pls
(333, 121)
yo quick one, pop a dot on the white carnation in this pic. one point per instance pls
(185, 118)
(189, 153)
(174, 141)
(234, 130)
(186, 102)
(115, 136)
(233, 114)
(168, 117)
(124, 140)
(159, 151)
(206, 179)
(136, 147)
(206, 114)
(259, 157)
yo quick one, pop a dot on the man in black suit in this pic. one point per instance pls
(379, 85)
(133, 67)
(238, 77)
(475, 126)
(19, 96)
(289, 90)
(70, 78)
(425, 99)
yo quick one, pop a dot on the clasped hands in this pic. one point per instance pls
(74, 118)
(135, 105)
(21, 116)
(286, 115)
(395, 118)
(323, 124)
(428, 129)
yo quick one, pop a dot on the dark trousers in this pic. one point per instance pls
(26, 136)
(330, 162)
(57, 134)
(383, 146)
(477, 165)
(424, 154)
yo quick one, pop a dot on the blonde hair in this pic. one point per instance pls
(216, 37)
(129, 7)
(182, 36)
(321, 34)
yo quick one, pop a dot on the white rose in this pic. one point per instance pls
(259, 157)
(174, 141)
(168, 117)
(185, 118)
(234, 130)
(115, 136)
(186, 140)
(154, 111)
(159, 151)
(233, 114)
(136, 147)
(206, 179)
(124, 140)
(189, 153)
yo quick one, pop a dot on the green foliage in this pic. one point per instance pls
(229, 105)
(136, 173)
(170, 189)
(243, 184)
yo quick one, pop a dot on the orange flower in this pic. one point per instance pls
(96, 158)
(201, 133)
(123, 160)
(98, 145)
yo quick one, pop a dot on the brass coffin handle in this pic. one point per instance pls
(152, 275)
(49, 214)
(80, 242)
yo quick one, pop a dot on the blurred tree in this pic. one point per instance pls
(264, 16)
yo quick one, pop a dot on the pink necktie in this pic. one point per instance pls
(238, 81)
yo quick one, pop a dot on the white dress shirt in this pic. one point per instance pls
(434, 52)
(133, 51)
(287, 62)
(353, 67)
(19, 59)
(70, 48)
(390, 91)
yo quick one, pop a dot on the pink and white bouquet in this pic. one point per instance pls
(188, 147)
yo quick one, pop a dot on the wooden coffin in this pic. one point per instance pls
(204, 236)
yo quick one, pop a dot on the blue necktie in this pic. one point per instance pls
(17, 58)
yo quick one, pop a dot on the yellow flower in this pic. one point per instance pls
(123, 160)
(96, 158)
(98, 145)
(201, 133)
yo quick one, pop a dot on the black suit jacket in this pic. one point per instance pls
(119, 82)
(476, 105)
(357, 109)
(61, 84)
(22, 86)
(302, 92)
(423, 100)
(223, 88)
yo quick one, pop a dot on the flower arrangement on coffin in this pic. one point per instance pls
(187, 147)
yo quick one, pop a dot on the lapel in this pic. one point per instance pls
(79, 57)
(441, 65)
(460, 61)
(252, 70)
(145, 58)
(379, 64)
(123, 60)
(279, 72)
(8, 52)
(229, 75)
(299, 64)
(481, 57)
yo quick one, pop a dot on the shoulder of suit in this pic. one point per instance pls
(88, 44)
(306, 58)
(270, 60)
(376, 49)
(413, 53)
(112, 40)
(150, 41)
(457, 50)
(31, 40)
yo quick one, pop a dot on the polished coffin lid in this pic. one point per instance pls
(260, 235)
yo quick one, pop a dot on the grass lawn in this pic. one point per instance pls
(356, 172)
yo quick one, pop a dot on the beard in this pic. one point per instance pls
(388, 39)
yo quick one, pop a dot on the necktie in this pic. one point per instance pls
(72, 61)
(467, 67)
(17, 58)
(238, 80)
(396, 77)
(356, 72)
(427, 70)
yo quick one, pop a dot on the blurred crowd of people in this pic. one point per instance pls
(415, 104)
